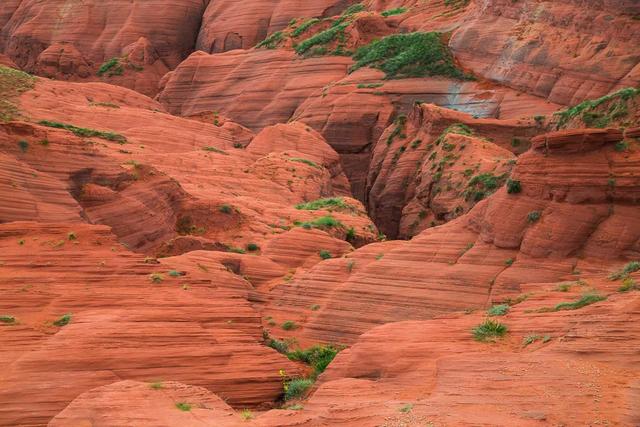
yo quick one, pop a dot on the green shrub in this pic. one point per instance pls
(315, 307)
(305, 161)
(225, 209)
(84, 132)
(628, 284)
(409, 55)
(296, 388)
(513, 186)
(323, 222)
(631, 267)
(584, 301)
(183, 406)
(63, 320)
(396, 11)
(272, 41)
(325, 254)
(534, 216)
(585, 109)
(174, 273)
(7, 319)
(237, 250)
(252, 247)
(246, 414)
(289, 325)
(156, 386)
(489, 330)
(215, 150)
(406, 408)
(323, 37)
(328, 203)
(370, 85)
(302, 28)
(23, 145)
(498, 310)
(351, 234)
(509, 262)
(112, 67)
(318, 357)
(156, 278)
(621, 146)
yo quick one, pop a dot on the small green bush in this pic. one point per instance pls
(156, 386)
(631, 267)
(246, 414)
(396, 11)
(84, 132)
(489, 330)
(225, 209)
(327, 203)
(23, 145)
(498, 310)
(252, 247)
(296, 388)
(406, 408)
(584, 301)
(318, 357)
(156, 278)
(183, 406)
(289, 325)
(628, 284)
(7, 319)
(325, 254)
(513, 186)
(533, 216)
(63, 320)
(272, 41)
(174, 273)
(112, 67)
(323, 222)
(302, 28)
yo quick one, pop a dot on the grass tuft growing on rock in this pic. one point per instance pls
(84, 132)
(396, 11)
(63, 320)
(289, 325)
(112, 67)
(409, 55)
(272, 41)
(624, 272)
(12, 84)
(296, 388)
(498, 310)
(327, 203)
(489, 330)
(7, 319)
(185, 407)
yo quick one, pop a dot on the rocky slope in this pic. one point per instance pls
(387, 213)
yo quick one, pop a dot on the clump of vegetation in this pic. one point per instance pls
(628, 284)
(23, 146)
(625, 271)
(252, 247)
(328, 203)
(215, 150)
(585, 300)
(84, 132)
(456, 128)
(156, 386)
(509, 262)
(399, 123)
(318, 357)
(302, 28)
(183, 406)
(305, 161)
(156, 278)
(370, 85)
(225, 209)
(498, 310)
(289, 325)
(246, 414)
(335, 31)
(585, 110)
(480, 186)
(272, 41)
(323, 222)
(489, 330)
(12, 84)
(533, 216)
(63, 320)
(409, 55)
(7, 319)
(396, 11)
(530, 339)
(406, 408)
(174, 273)
(457, 4)
(324, 254)
(315, 307)
(112, 67)
(296, 388)
(513, 186)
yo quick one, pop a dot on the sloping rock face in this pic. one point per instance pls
(556, 221)
(564, 52)
(71, 40)
(229, 25)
